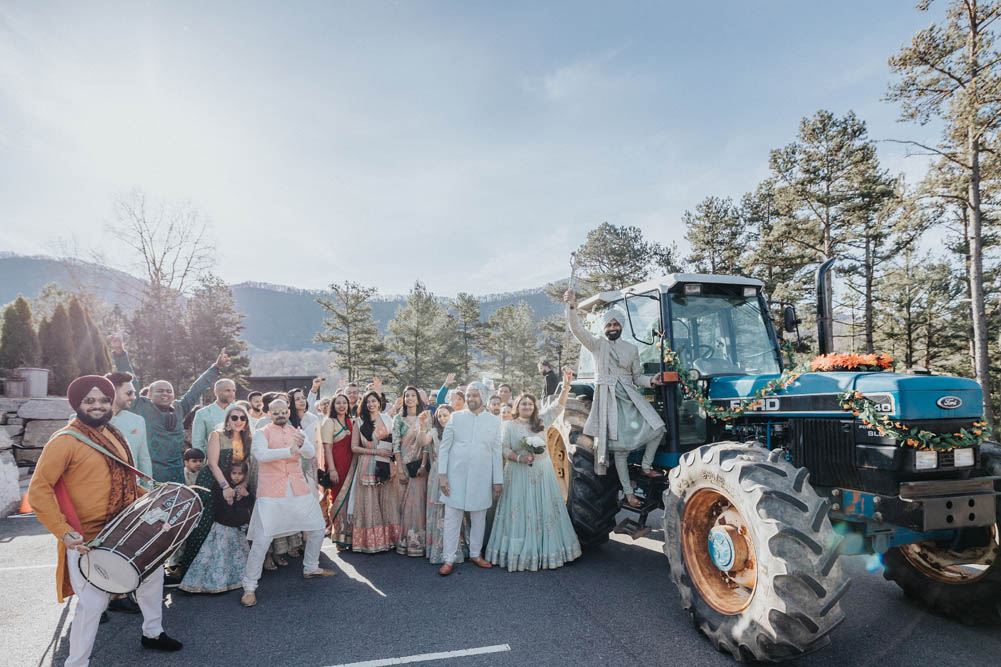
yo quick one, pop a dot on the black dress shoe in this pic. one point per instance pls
(162, 643)
(172, 580)
(104, 617)
(126, 605)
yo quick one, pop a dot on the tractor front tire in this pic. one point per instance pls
(965, 586)
(752, 552)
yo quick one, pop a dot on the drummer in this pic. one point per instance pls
(98, 488)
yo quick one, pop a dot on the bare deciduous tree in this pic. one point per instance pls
(170, 239)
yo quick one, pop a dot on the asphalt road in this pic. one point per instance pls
(615, 606)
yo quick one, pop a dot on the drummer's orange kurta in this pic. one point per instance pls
(88, 482)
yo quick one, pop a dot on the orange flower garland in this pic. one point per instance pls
(865, 411)
(827, 363)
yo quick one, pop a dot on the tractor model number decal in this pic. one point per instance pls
(764, 405)
(808, 403)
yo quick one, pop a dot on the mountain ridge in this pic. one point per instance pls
(266, 306)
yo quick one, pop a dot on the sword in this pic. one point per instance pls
(571, 285)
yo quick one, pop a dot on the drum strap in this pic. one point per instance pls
(87, 441)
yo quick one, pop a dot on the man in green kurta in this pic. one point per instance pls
(164, 416)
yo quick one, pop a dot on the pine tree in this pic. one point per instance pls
(156, 338)
(58, 354)
(350, 330)
(422, 339)
(951, 71)
(817, 183)
(904, 295)
(212, 323)
(613, 257)
(717, 236)
(557, 345)
(470, 329)
(18, 340)
(878, 213)
(83, 344)
(511, 344)
(44, 304)
(102, 356)
(778, 265)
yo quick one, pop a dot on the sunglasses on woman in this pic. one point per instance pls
(238, 418)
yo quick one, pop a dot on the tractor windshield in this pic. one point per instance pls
(722, 335)
(717, 334)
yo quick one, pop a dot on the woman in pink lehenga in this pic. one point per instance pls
(410, 434)
(374, 508)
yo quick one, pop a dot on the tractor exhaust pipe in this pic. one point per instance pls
(825, 323)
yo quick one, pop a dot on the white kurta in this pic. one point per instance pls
(274, 517)
(470, 454)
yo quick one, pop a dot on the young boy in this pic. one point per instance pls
(194, 459)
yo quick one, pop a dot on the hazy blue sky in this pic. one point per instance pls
(468, 144)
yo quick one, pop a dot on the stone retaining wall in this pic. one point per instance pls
(25, 427)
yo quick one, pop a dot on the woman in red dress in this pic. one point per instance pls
(335, 432)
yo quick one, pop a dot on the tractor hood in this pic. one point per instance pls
(900, 396)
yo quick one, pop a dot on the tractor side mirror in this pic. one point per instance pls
(789, 320)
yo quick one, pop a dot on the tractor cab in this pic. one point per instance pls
(718, 325)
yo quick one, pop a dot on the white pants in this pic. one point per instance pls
(259, 549)
(453, 526)
(91, 603)
(622, 461)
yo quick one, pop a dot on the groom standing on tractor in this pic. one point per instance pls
(621, 420)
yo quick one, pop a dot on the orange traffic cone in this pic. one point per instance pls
(25, 506)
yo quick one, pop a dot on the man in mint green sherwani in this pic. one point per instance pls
(164, 416)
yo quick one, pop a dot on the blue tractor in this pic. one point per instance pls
(758, 509)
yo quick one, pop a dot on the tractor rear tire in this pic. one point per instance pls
(778, 597)
(971, 596)
(592, 499)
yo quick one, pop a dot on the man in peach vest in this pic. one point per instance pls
(285, 504)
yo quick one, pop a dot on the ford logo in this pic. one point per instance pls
(949, 402)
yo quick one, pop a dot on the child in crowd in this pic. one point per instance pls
(220, 562)
(194, 459)
(506, 412)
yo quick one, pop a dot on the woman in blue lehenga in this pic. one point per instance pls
(532, 529)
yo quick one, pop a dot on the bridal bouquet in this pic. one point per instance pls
(534, 444)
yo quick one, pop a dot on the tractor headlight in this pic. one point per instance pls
(963, 458)
(693, 289)
(925, 460)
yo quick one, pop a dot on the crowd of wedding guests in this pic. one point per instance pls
(378, 472)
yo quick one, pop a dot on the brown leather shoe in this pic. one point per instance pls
(322, 572)
(482, 563)
(249, 599)
(445, 569)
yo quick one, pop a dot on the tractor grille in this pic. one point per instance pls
(826, 447)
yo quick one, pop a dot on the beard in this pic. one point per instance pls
(92, 421)
(613, 334)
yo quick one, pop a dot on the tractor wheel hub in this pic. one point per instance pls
(727, 548)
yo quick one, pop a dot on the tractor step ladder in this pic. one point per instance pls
(637, 528)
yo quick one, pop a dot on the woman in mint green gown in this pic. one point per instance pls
(532, 530)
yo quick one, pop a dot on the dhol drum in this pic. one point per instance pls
(141, 538)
